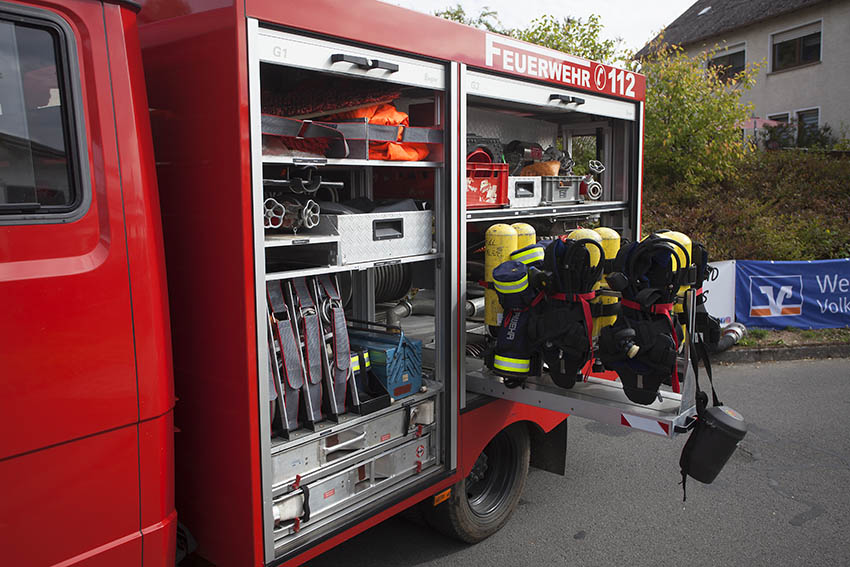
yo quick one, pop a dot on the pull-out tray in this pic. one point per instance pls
(598, 399)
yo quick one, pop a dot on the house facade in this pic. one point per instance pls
(803, 47)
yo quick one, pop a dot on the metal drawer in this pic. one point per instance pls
(383, 236)
(333, 494)
(308, 458)
(287, 49)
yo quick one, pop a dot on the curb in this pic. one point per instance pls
(768, 354)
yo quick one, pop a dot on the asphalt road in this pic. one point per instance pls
(783, 498)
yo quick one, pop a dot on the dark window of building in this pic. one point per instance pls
(796, 51)
(36, 172)
(729, 64)
(807, 126)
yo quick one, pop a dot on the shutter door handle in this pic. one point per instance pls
(363, 62)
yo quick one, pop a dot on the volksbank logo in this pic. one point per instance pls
(776, 296)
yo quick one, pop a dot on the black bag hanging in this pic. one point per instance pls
(717, 432)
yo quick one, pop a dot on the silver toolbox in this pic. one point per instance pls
(524, 191)
(560, 189)
(382, 236)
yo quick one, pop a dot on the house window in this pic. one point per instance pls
(37, 167)
(779, 117)
(730, 62)
(807, 125)
(796, 47)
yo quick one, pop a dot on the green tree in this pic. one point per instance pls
(570, 35)
(487, 19)
(692, 133)
(574, 36)
(693, 109)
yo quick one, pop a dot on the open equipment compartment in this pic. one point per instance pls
(350, 258)
(499, 110)
(509, 109)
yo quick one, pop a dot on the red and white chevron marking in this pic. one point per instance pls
(645, 424)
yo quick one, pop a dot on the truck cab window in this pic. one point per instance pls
(35, 168)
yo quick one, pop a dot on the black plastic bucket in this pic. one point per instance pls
(712, 443)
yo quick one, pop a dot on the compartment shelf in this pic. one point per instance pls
(294, 160)
(575, 209)
(317, 270)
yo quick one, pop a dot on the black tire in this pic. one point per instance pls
(483, 502)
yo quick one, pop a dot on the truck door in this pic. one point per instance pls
(68, 391)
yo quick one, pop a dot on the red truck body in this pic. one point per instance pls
(89, 351)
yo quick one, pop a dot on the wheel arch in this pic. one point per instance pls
(480, 425)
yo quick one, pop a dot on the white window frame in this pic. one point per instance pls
(773, 34)
(799, 110)
(787, 114)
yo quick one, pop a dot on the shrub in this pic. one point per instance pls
(783, 205)
(692, 114)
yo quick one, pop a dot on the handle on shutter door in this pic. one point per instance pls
(363, 62)
(385, 65)
(567, 99)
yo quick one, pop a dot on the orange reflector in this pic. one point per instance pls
(442, 496)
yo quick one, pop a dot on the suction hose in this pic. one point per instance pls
(733, 333)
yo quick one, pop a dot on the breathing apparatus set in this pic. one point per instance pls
(642, 345)
(556, 296)
(544, 290)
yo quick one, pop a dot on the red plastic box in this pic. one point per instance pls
(486, 185)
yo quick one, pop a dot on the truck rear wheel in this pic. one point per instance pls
(482, 502)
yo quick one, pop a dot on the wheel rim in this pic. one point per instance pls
(489, 483)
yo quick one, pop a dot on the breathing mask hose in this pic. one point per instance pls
(582, 280)
(685, 253)
(667, 291)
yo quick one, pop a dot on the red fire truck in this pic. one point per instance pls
(236, 144)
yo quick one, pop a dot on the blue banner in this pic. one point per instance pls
(806, 295)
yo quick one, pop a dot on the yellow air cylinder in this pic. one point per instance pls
(586, 233)
(610, 241)
(611, 245)
(525, 234)
(499, 241)
(684, 261)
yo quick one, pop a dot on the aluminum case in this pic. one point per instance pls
(378, 236)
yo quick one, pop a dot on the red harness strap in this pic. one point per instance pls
(538, 299)
(583, 298)
(660, 309)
